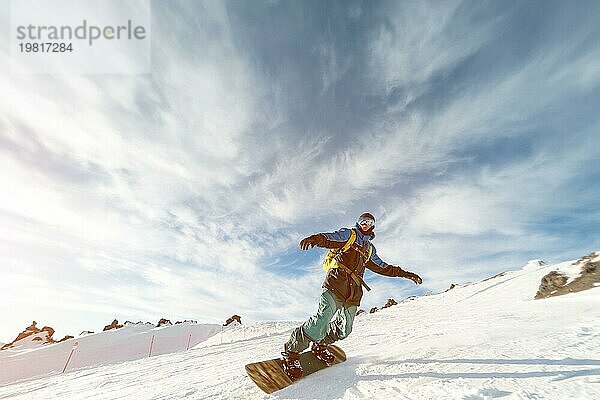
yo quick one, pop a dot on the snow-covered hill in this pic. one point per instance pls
(28, 359)
(484, 340)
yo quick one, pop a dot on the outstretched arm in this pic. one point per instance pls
(379, 266)
(332, 240)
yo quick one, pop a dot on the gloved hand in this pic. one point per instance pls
(412, 276)
(311, 241)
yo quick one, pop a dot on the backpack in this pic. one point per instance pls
(331, 259)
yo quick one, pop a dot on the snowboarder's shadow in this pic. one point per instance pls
(502, 361)
(559, 374)
(335, 381)
(330, 383)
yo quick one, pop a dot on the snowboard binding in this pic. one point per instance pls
(322, 353)
(291, 365)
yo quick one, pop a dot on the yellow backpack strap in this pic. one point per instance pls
(349, 242)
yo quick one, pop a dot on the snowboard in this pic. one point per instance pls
(270, 377)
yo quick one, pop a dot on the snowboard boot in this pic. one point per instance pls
(322, 353)
(291, 364)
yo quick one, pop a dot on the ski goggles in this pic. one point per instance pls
(366, 221)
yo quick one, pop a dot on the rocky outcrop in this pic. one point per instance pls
(113, 325)
(550, 284)
(67, 337)
(233, 318)
(390, 302)
(164, 322)
(555, 283)
(33, 333)
(86, 333)
(130, 323)
(49, 330)
(30, 330)
(495, 276)
(452, 286)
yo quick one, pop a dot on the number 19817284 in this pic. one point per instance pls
(45, 47)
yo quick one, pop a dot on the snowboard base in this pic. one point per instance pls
(270, 377)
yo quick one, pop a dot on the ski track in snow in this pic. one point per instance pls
(487, 340)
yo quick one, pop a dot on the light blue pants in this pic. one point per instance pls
(333, 321)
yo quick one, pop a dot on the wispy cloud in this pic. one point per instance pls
(467, 128)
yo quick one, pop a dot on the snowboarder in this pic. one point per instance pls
(351, 252)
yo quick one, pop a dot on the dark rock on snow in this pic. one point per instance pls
(555, 284)
(233, 318)
(113, 325)
(34, 330)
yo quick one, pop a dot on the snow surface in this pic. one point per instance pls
(485, 340)
(533, 265)
(134, 341)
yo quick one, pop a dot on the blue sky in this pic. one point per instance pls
(470, 129)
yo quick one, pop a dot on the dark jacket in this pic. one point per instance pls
(339, 281)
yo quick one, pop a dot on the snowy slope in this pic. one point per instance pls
(236, 333)
(484, 340)
(27, 360)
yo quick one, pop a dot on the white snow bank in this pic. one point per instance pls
(533, 265)
(131, 342)
(246, 332)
